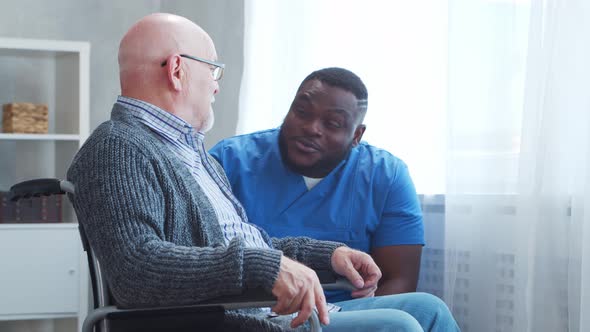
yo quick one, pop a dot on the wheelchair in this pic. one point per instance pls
(107, 317)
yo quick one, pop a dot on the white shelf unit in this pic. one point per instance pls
(44, 270)
(39, 137)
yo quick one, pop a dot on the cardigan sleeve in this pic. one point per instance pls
(315, 254)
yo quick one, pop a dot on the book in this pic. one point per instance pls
(43, 209)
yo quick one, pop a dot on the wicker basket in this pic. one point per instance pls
(25, 118)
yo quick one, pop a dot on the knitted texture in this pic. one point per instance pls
(154, 230)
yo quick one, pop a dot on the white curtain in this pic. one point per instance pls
(517, 219)
(486, 101)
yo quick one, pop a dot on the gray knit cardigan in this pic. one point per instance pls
(155, 232)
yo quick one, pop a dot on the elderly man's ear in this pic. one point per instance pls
(175, 72)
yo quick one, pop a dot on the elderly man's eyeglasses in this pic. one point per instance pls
(217, 71)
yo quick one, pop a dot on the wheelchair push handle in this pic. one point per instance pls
(38, 187)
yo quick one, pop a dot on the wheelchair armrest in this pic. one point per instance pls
(252, 298)
(188, 317)
(260, 298)
(339, 284)
(38, 187)
(331, 281)
(214, 309)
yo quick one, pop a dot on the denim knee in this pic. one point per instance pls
(433, 314)
(374, 320)
(401, 321)
(430, 311)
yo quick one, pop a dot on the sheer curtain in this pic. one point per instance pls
(486, 101)
(517, 198)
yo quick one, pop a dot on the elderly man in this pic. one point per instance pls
(160, 213)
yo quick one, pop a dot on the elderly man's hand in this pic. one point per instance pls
(359, 268)
(298, 288)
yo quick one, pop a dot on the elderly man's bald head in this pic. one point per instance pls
(156, 36)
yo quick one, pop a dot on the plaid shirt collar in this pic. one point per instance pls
(163, 122)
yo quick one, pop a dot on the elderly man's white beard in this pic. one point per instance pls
(208, 124)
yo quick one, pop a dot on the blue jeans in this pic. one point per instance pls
(402, 312)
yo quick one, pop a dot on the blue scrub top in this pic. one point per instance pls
(367, 201)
